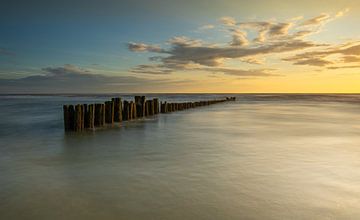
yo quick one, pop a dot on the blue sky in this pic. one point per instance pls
(92, 37)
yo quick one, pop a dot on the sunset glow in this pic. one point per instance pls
(174, 46)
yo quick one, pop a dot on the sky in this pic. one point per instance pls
(180, 46)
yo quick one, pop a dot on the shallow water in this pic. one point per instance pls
(261, 157)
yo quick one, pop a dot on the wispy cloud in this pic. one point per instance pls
(343, 12)
(348, 53)
(151, 69)
(141, 47)
(67, 69)
(271, 39)
(185, 53)
(244, 72)
(206, 27)
(317, 20)
(6, 52)
(70, 78)
(229, 21)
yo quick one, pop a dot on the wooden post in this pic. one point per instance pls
(86, 122)
(172, 107)
(82, 117)
(68, 115)
(79, 118)
(89, 116)
(133, 111)
(126, 111)
(147, 108)
(140, 106)
(117, 109)
(109, 112)
(156, 106)
(162, 107)
(151, 107)
(99, 115)
(167, 107)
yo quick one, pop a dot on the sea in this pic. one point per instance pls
(263, 156)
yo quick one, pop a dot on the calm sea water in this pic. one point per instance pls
(261, 157)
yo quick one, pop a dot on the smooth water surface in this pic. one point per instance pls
(261, 157)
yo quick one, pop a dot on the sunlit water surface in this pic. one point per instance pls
(261, 157)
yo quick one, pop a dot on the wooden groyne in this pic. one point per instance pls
(82, 117)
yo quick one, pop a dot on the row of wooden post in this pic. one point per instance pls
(88, 116)
(166, 107)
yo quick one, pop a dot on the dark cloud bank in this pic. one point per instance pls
(72, 79)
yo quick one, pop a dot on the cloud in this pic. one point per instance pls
(67, 69)
(229, 21)
(185, 51)
(349, 51)
(342, 13)
(267, 30)
(351, 59)
(239, 38)
(317, 20)
(151, 69)
(279, 29)
(70, 79)
(344, 67)
(313, 62)
(297, 18)
(141, 47)
(261, 27)
(206, 27)
(243, 72)
(302, 34)
(161, 69)
(272, 38)
(6, 52)
(183, 41)
(252, 60)
(214, 55)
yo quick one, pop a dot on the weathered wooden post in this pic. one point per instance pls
(69, 114)
(140, 106)
(67, 122)
(151, 107)
(91, 113)
(85, 115)
(117, 109)
(82, 117)
(147, 108)
(156, 106)
(99, 115)
(109, 112)
(162, 107)
(132, 111)
(168, 105)
(126, 111)
(89, 116)
(79, 118)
